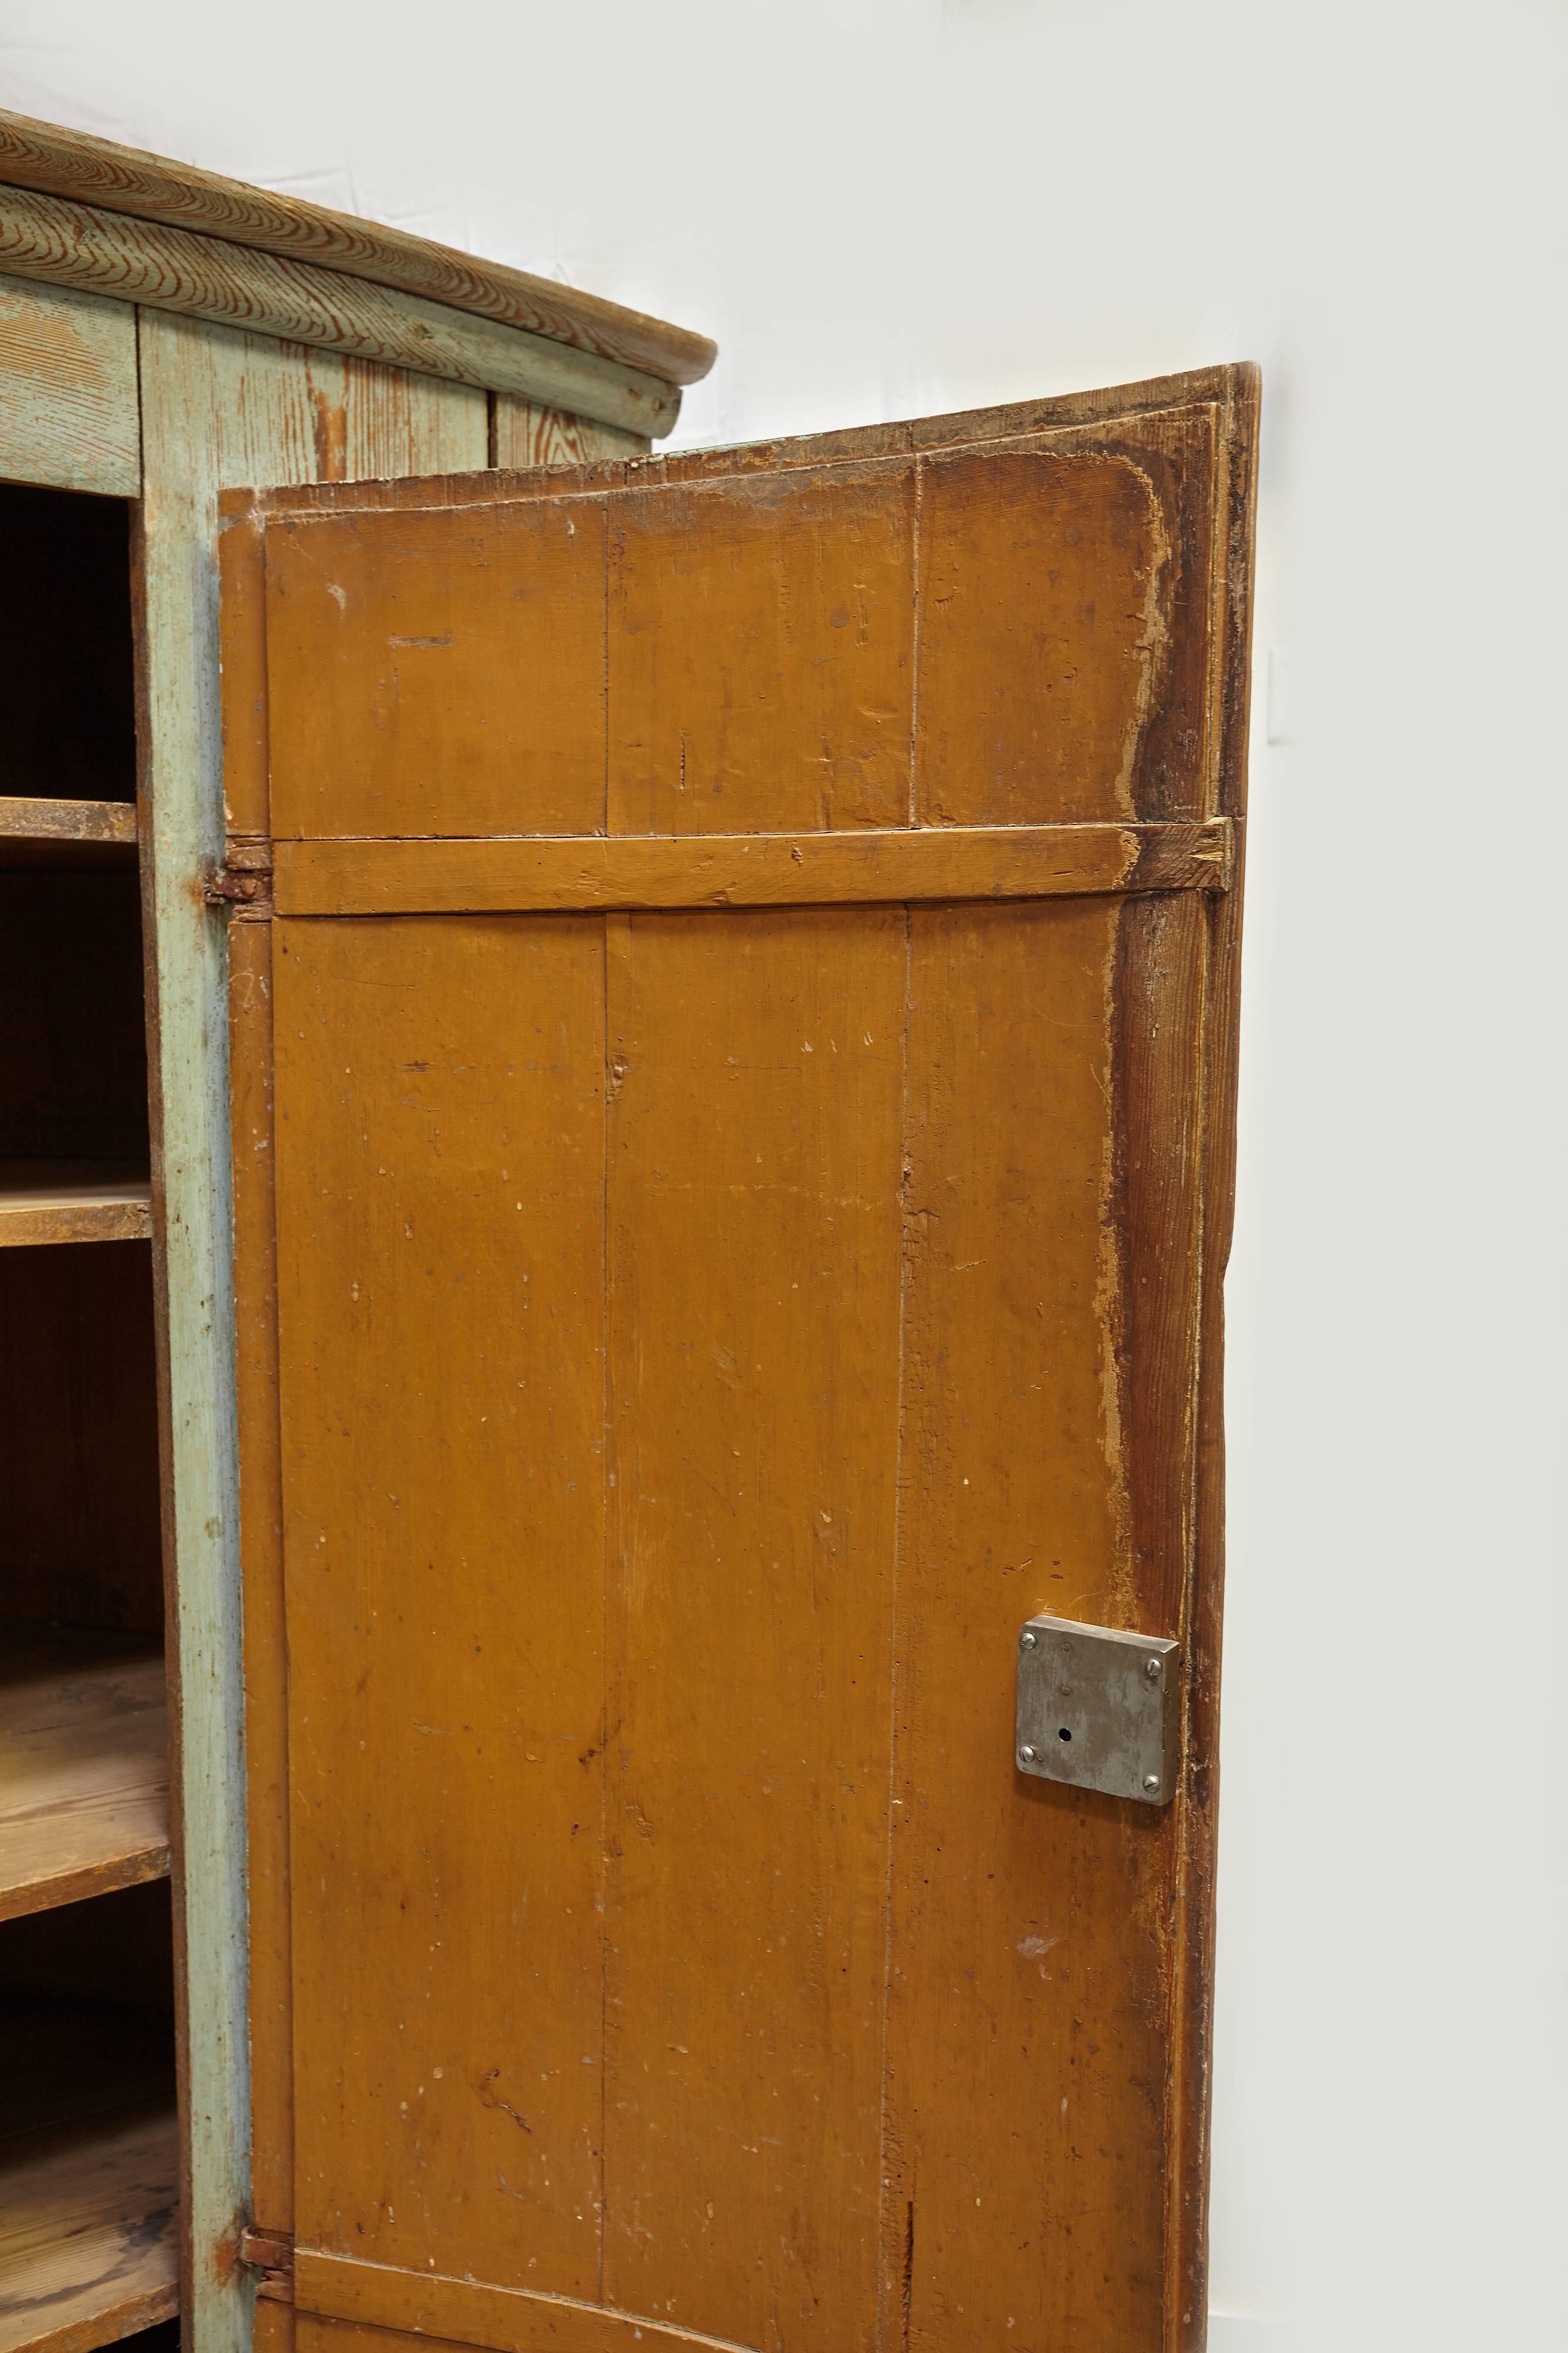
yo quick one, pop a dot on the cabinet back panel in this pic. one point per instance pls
(80, 1537)
(73, 1048)
(66, 706)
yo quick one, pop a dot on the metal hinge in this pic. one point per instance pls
(271, 2254)
(244, 881)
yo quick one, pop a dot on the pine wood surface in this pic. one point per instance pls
(702, 1338)
(53, 1201)
(524, 435)
(73, 164)
(88, 2176)
(104, 253)
(26, 819)
(68, 418)
(84, 1775)
(221, 408)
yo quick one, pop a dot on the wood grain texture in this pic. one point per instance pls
(523, 434)
(221, 409)
(26, 820)
(1029, 1940)
(261, 1537)
(52, 1201)
(84, 1771)
(777, 870)
(1187, 2291)
(88, 2176)
(383, 2311)
(761, 653)
(753, 1275)
(478, 664)
(440, 1189)
(68, 418)
(104, 253)
(73, 164)
(890, 1196)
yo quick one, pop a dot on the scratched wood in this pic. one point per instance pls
(875, 1240)
(362, 2308)
(68, 163)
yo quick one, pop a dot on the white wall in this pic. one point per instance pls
(883, 207)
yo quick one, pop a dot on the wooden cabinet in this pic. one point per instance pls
(164, 335)
(728, 965)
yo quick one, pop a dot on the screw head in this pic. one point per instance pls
(1151, 1780)
(1026, 1754)
(1026, 1641)
(1151, 1666)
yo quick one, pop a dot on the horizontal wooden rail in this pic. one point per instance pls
(67, 244)
(58, 161)
(41, 821)
(768, 870)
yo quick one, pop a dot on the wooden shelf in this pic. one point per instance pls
(72, 1201)
(66, 833)
(88, 2176)
(84, 1769)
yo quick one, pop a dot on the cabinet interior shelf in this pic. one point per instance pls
(73, 1201)
(84, 1771)
(89, 2175)
(42, 833)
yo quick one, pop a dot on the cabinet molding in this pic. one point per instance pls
(230, 285)
(58, 161)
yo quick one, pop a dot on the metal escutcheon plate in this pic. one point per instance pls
(1098, 1709)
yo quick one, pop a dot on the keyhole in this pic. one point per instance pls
(1064, 1734)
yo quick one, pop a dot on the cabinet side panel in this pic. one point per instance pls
(68, 418)
(222, 411)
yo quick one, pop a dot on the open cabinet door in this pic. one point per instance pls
(734, 995)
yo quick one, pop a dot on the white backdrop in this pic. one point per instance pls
(886, 207)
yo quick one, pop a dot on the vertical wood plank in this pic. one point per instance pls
(219, 410)
(440, 1204)
(522, 435)
(757, 1070)
(1027, 2026)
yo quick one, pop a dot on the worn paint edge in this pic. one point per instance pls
(159, 267)
(180, 817)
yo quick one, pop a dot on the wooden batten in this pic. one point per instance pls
(229, 285)
(859, 869)
(62, 163)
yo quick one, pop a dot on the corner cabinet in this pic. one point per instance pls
(165, 335)
(663, 1322)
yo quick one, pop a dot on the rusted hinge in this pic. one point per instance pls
(244, 881)
(271, 2254)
